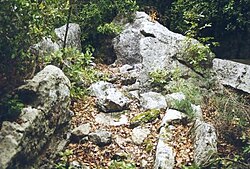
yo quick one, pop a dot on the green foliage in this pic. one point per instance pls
(76, 66)
(25, 22)
(10, 107)
(102, 12)
(185, 107)
(197, 55)
(159, 77)
(64, 160)
(230, 15)
(122, 165)
(110, 29)
(145, 117)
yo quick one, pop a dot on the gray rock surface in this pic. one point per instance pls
(153, 100)
(175, 97)
(151, 44)
(205, 142)
(108, 119)
(112, 101)
(45, 47)
(98, 89)
(109, 99)
(48, 99)
(139, 134)
(73, 36)
(79, 132)
(101, 137)
(165, 156)
(172, 115)
(234, 74)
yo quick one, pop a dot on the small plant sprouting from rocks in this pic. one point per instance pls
(10, 107)
(64, 160)
(159, 79)
(184, 106)
(121, 165)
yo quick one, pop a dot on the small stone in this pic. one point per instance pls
(172, 115)
(101, 137)
(139, 134)
(153, 100)
(125, 68)
(79, 132)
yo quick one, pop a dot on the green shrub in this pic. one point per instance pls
(122, 165)
(10, 107)
(76, 66)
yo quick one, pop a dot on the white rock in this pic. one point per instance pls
(81, 130)
(165, 157)
(153, 100)
(139, 134)
(172, 115)
(205, 142)
(234, 74)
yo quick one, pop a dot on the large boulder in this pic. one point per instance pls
(234, 74)
(153, 45)
(47, 96)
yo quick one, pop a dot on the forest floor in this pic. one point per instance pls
(142, 156)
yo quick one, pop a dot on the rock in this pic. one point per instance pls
(45, 47)
(175, 97)
(48, 99)
(205, 142)
(139, 134)
(197, 111)
(152, 45)
(126, 68)
(153, 100)
(98, 89)
(109, 99)
(101, 137)
(172, 115)
(112, 101)
(165, 157)
(79, 132)
(107, 119)
(144, 163)
(73, 36)
(234, 74)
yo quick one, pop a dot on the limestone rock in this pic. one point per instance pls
(45, 47)
(234, 74)
(79, 132)
(152, 45)
(101, 137)
(73, 36)
(175, 97)
(139, 134)
(47, 96)
(112, 101)
(98, 89)
(165, 157)
(205, 142)
(107, 119)
(172, 115)
(153, 100)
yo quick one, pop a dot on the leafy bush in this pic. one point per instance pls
(77, 67)
(10, 107)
